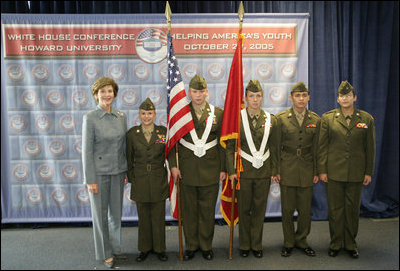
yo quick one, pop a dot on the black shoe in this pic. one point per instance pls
(110, 264)
(244, 253)
(258, 253)
(333, 252)
(286, 251)
(308, 251)
(142, 256)
(208, 255)
(162, 256)
(189, 254)
(353, 253)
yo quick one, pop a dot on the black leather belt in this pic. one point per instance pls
(297, 151)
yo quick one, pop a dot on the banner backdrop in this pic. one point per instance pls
(49, 62)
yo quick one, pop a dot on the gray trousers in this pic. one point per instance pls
(106, 208)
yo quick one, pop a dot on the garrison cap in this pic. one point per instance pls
(299, 87)
(254, 86)
(198, 82)
(147, 105)
(345, 88)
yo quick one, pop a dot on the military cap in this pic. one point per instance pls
(299, 87)
(198, 82)
(345, 88)
(254, 86)
(147, 105)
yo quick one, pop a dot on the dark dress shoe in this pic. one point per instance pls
(333, 252)
(286, 251)
(162, 256)
(109, 264)
(258, 253)
(142, 256)
(353, 253)
(188, 255)
(208, 255)
(308, 251)
(244, 253)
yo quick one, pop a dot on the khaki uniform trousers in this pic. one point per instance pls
(296, 198)
(344, 199)
(198, 215)
(151, 226)
(252, 204)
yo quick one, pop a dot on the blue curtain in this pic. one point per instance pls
(355, 41)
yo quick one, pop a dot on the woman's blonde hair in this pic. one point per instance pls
(102, 82)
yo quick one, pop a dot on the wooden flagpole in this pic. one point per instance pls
(168, 14)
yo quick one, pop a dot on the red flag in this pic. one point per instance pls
(179, 120)
(230, 129)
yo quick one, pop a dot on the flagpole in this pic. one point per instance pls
(168, 14)
(236, 160)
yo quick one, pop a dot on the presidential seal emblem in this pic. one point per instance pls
(215, 71)
(78, 146)
(90, 71)
(79, 97)
(66, 72)
(45, 172)
(162, 71)
(129, 97)
(32, 147)
(29, 97)
(34, 196)
(141, 72)
(18, 123)
(264, 70)
(57, 147)
(82, 196)
(15, 73)
(42, 123)
(59, 196)
(151, 45)
(20, 172)
(54, 98)
(40, 72)
(276, 95)
(155, 96)
(116, 71)
(190, 70)
(69, 172)
(288, 70)
(67, 123)
(274, 190)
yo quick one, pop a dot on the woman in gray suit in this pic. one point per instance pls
(104, 168)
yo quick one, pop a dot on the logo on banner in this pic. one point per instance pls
(276, 95)
(129, 97)
(42, 123)
(264, 70)
(59, 195)
(79, 97)
(29, 97)
(90, 71)
(34, 196)
(274, 190)
(162, 71)
(67, 123)
(45, 172)
(20, 172)
(288, 70)
(141, 72)
(66, 72)
(57, 147)
(190, 70)
(40, 72)
(116, 71)
(78, 146)
(82, 195)
(54, 97)
(155, 96)
(32, 147)
(69, 172)
(151, 45)
(15, 73)
(127, 195)
(18, 123)
(216, 71)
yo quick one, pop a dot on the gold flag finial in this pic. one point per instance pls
(168, 14)
(240, 14)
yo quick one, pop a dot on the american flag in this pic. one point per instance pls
(151, 33)
(179, 118)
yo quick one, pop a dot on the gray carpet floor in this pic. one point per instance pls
(65, 247)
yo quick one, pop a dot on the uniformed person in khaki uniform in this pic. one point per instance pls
(201, 167)
(346, 159)
(145, 149)
(257, 128)
(297, 140)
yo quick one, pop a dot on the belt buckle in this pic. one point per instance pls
(298, 152)
(148, 167)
